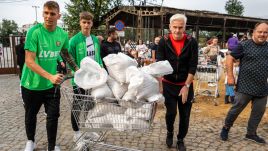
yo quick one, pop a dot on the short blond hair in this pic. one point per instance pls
(178, 17)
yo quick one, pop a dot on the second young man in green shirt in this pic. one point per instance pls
(83, 44)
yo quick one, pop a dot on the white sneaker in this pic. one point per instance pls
(30, 146)
(57, 148)
(77, 135)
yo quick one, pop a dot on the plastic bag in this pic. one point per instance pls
(144, 112)
(117, 65)
(101, 92)
(105, 108)
(142, 85)
(158, 69)
(90, 74)
(118, 89)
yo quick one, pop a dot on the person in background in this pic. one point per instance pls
(232, 42)
(110, 45)
(142, 51)
(155, 47)
(211, 52)
(129, 50)
(20, 52)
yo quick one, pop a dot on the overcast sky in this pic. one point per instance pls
(23, 13)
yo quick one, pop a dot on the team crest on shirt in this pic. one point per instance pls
(58, 43)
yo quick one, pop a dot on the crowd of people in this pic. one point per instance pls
(48, 46)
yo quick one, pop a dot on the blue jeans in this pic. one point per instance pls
(229, 90)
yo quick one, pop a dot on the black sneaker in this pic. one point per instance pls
(224, 133)
(180, 146)
(255, 138)
(169, 139)
(226, 99)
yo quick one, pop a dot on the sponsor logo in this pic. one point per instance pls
(58, 43)
(48, 54)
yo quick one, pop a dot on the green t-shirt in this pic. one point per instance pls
(78, 49)
(47, 46)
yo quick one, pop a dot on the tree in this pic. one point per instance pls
(97, 7)
(8, 27)
(234, 7)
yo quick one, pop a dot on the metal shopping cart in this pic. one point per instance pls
(97, 117)
(207, 77)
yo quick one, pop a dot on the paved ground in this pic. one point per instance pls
(203, 133)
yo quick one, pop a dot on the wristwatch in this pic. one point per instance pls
(187, 85)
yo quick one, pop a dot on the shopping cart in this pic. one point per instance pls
(97, 117)
(207, 77)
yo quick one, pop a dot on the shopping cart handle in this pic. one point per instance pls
(63, 80)
(66, 78)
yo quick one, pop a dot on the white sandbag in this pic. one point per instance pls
(144, 112)
(118, 89)
(130, 104)
(90, 74)
(149, 88)
(135, 79)
(138, 124)
(101, 92)
(119, 121)
(98, 122)
(157, 97)
(117, 65)
(103, 109)
(141, 85)
(158, 69)
(129, 96)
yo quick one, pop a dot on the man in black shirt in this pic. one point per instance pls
(110, 46)
(155, 47)
(20, 52)
(252, 81)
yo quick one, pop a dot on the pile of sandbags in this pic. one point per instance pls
(110, 116)
(141, 86)
(134, 90)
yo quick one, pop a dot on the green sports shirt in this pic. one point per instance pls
(78, 49)
(47, 46)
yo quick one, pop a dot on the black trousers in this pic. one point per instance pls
(33, 101)
(172, 102)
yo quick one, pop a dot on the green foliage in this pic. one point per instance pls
(234, 7)
(8, 27)
(97, 7)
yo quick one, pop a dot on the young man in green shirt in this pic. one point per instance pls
(44, 43)
(82, 45)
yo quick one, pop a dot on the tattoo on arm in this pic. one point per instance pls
(69, 59)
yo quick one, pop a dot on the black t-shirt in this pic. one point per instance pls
(20, 54)
(253, 71)
(154, 47)
(109, 48)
